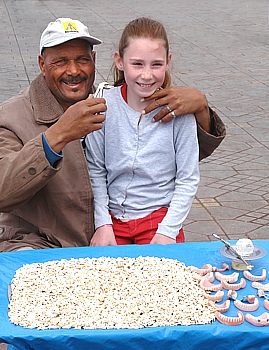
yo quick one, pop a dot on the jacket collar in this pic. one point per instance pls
(45, 106)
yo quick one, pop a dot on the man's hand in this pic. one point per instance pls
(161, 239)
(180, 100)
(103, 236)
(77, 121)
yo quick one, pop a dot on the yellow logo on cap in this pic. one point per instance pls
(70, 27)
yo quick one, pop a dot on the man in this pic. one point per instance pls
(46, 198)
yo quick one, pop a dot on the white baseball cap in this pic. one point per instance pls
(65, 29)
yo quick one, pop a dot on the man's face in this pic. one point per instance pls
(69, 70)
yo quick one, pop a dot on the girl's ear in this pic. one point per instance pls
(169, 58)
(118, 61)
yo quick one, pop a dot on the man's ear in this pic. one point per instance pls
(41, 64)
(118, 61)
(94, 56)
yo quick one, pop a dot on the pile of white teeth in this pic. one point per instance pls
(106, 293)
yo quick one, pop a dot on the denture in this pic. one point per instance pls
(262, 320)
(249, 298)
(262, 294)
(202, 271)
(248, 275)
(210, 276)
(208, 286)
(232, 294)
(253, 304)
(224, 268)
(232, 278)
(258, 285)
(218, 296)
(224, 307)
(230, 321)
(196, 276)
(266, 304)
(234, 286)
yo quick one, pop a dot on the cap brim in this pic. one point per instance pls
(91, 40)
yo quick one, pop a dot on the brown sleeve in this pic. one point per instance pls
(24, 170)
(209, 142)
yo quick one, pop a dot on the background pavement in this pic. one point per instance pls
(220, 47)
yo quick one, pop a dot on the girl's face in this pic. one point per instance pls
(144, 63)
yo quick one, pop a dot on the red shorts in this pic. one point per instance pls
(141, 231)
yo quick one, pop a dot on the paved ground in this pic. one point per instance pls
(218, 46)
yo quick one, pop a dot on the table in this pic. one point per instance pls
(194, 337)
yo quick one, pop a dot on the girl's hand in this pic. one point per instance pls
(161, 239)
(104, 235)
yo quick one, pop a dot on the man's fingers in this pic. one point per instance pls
(93, 123)
(100, 119)
(156, 95)
(155, 104)
(163, 113)
(95, 105)
(91, 101)
(90, 97)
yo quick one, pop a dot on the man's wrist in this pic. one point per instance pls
(51, 156)
(203, 118)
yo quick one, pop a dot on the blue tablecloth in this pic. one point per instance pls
(194, 337)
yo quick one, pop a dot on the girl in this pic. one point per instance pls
(144, 174)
